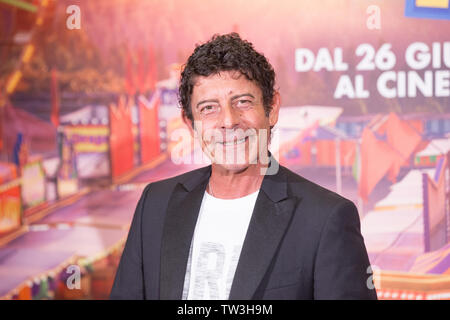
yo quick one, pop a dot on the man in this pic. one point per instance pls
(243, 227)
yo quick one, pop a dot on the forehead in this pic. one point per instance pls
(224, 83)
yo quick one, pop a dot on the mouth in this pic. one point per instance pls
(233, 142)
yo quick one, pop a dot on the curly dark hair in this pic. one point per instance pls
(226, 53)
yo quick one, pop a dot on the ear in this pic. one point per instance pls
(273, 115)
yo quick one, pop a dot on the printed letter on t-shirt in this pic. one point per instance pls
(208, 274)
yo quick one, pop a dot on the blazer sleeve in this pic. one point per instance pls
(129, 280)
(342, 264)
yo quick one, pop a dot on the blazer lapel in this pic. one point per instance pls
(271, 217)
(181, 218)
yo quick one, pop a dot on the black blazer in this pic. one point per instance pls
(303, 242)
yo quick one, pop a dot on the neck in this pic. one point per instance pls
(232, 184)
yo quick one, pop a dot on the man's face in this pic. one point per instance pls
(230, 120)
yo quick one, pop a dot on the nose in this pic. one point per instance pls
(229, 117)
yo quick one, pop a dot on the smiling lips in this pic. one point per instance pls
(233, 142)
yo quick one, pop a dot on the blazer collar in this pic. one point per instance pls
(271, 216)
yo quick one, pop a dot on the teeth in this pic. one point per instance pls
(230, 143)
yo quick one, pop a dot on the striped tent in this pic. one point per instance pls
(432, 152)
(393, 229)
(436, 262)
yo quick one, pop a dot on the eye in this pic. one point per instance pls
(243, 103)
(207, 109)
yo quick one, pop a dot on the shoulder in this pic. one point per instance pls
(156, 196)
(315, 197)
(304, 187)
(166, 186)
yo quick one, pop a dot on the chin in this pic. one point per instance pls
(233, 167)
(228, 159)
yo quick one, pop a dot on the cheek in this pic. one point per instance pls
(255, 116)
(258, 122)
(201, 126)
(208, 133)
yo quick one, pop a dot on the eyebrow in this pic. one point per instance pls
(232, 98)
(242, 95)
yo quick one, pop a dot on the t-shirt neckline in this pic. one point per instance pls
(244, 197)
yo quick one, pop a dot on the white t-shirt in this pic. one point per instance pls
(215, 249)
